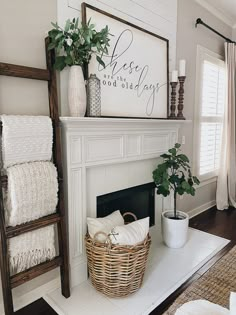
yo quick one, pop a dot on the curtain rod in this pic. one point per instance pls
(200, 21)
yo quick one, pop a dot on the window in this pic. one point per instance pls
(209, 113)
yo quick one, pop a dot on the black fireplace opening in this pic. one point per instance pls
(138, 200)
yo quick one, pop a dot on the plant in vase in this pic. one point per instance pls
(75, 45)
(174, 175)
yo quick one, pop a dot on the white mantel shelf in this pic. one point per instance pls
(100, 122)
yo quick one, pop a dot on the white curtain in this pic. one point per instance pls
(226, 183)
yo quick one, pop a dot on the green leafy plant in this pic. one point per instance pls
(174, 174)
(75, 44)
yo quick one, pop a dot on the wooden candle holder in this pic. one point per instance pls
(173, 100)
(181, 98)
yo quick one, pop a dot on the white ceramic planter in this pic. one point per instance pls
(174, 232)
(76, 92)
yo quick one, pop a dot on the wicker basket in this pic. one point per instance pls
(115, 270)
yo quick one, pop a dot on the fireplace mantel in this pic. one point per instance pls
(119, 123)
(102, 155)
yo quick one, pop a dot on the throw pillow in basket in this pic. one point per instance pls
(105, 224)
(130, 234)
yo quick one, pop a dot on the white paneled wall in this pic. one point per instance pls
(157, 16)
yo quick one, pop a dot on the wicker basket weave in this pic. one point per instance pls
(115, 270)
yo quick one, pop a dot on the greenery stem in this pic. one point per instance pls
(75, 44)
(175, 198)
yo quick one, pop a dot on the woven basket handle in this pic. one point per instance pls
(107, 238)
(130, 214)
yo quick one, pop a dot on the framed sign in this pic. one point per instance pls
(134, 82)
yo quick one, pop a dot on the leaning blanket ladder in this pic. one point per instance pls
(59, 218)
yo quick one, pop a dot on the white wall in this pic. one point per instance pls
(159, 17)
(234, 34)
(22, 31)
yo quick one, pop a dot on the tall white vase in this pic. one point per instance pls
(76, 92)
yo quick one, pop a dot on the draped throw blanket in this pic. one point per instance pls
(31, 249)
(31, 189)
(26, 139)
(226, 183)
(32, 192)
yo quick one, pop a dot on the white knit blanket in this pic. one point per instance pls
(32, 248)
(202, 307)
(26, 139)
(32, 192)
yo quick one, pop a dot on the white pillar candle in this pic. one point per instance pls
(182, 67)
(174, 77)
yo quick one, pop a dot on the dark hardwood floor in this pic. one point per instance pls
(39, 307)
(220, 223)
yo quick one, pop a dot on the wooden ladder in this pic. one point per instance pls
(9, 282)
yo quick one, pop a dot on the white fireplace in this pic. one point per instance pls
(107, 155)
(104, 155)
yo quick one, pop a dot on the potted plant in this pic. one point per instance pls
(74, 46)
(175, 175)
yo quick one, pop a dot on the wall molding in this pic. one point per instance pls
(202, 54)
(206, 182)
(216, 12)
(194, 212)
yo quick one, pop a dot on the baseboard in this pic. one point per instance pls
(21, 301)
(192, 213)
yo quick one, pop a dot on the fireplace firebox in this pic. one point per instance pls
(138, 200)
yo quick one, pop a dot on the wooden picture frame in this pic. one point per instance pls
(135, 81)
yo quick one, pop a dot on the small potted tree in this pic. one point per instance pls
(175, 175)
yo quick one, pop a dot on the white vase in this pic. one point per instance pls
(174, 232)
(76, 92)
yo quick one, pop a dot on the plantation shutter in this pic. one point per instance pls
(212, 102)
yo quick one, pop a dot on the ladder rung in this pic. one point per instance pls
(35, 271)
(8, 281)
(24, 72)
(4, 181)
(13, 231)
